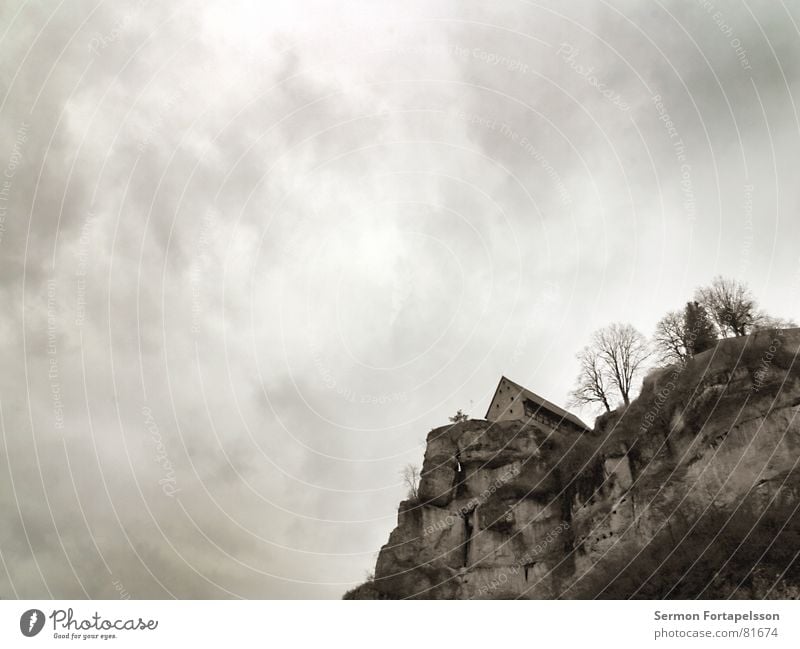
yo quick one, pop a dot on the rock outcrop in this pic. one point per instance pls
(691, 491)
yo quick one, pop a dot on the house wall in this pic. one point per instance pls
(507, 404)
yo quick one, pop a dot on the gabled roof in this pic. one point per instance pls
(541, 402)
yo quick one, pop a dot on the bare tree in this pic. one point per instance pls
(730, 304)
(623, 351)
(593, 384)
(682, 334)
(410, 474)
(670, 337)
(765, 321)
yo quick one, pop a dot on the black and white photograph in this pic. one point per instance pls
(312, 307)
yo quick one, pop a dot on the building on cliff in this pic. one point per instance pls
(691, 491)
(512, 402)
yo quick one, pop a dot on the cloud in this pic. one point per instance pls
(251, 255)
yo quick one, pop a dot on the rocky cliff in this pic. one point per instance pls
(691, 491)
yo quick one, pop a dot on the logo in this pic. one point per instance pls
(31, 622)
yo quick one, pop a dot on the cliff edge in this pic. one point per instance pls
(692, 490)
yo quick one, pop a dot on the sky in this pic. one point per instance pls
(251, 253)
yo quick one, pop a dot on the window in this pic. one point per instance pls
(538, 413)
(531, 409)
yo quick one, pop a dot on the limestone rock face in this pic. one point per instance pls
(709, 451)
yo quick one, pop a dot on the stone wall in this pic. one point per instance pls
(514, 510)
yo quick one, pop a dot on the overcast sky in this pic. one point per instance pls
(250, 256)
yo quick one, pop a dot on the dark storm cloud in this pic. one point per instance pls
(251, 256)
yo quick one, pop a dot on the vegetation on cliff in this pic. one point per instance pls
(691, 490)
